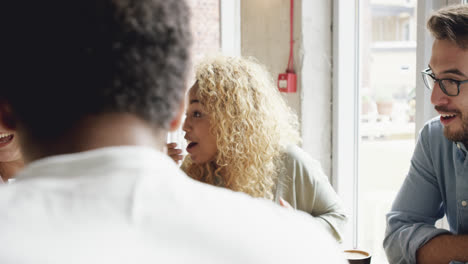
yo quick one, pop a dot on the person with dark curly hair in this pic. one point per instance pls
(93, 88)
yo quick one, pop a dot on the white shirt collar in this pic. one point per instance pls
(117, 156)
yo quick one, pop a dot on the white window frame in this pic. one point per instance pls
(230, 28)
(346, 103)
(345, 109)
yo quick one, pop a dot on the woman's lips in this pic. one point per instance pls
(190, 146)
(5, 139)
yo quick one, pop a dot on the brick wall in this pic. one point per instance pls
(205, 28)
(206, 40)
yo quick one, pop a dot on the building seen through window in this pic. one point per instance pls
(387, 73)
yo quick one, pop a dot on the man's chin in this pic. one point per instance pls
(456, 135)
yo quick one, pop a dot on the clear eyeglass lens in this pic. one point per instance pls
(450, 87)
(429, 81)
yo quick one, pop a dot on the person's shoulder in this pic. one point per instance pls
(432, 133)
(294, 152)
(433, 126)
(257, 228)
(296, 156)
(238, 208)
(14, 194)
(292, 236)
(19, 203)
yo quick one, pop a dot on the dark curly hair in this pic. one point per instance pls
(451, 23)
(64, 60)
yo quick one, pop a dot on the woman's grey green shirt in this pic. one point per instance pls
(304, 185)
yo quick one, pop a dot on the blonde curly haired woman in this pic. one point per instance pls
(242, 136)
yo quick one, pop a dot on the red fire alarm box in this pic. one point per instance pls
(287, 82)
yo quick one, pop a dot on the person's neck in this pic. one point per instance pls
(10, 168)
(98, 131)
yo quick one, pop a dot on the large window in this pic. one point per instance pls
(387, 85)
(380, 47)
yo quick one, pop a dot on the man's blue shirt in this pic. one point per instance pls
(436, 185)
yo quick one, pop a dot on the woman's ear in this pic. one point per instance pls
(6, 116)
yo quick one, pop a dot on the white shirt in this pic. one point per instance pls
(134, 205)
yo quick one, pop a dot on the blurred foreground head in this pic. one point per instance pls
(66, 60)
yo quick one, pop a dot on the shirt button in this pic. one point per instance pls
(464, 203)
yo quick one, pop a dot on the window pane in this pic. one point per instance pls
(387, 88)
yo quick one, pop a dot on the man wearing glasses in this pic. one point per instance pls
(437, 181)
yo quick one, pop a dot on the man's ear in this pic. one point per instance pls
(6, 116)
(175, 123)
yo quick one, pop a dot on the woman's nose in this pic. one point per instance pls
(186, 126)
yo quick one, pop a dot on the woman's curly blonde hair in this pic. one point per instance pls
(251, 122)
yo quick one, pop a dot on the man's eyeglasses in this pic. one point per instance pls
(450, 87)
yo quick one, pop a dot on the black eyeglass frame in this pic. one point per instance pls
(429, 73)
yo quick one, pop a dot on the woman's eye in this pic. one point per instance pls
(196, 114)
